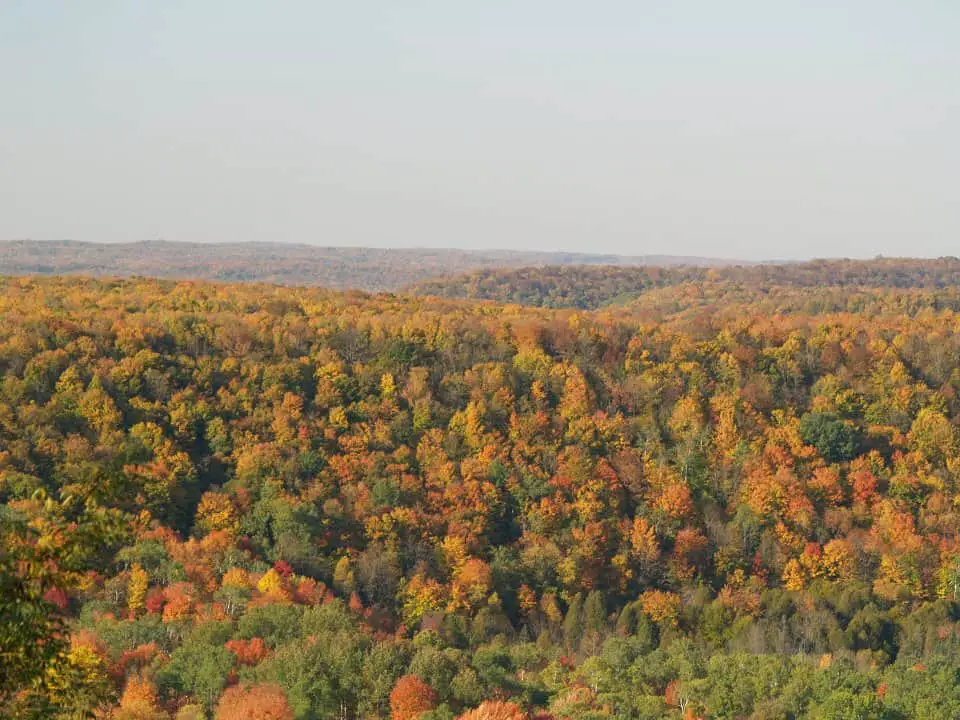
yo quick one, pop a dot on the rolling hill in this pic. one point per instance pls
(375, 269)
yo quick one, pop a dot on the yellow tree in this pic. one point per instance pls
(137, 588)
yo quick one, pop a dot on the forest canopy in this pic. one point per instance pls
(728, 499)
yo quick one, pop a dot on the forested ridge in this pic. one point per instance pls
(591, 287)
(729, 498)
(286, 263)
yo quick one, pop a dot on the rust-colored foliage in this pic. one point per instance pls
(254, 702)
(248, 652)
(495, 710)
(139, 701)
(410, 698)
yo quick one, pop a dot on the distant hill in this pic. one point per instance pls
(287, 264)
(592, 287)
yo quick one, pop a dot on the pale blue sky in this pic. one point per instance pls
(760, 129)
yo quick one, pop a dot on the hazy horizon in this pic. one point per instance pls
(409, 248)
(490, 250)
(736, 130)
(438, 248)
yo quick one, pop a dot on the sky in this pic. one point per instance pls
(739, 129)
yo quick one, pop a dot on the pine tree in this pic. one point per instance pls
(573, 622)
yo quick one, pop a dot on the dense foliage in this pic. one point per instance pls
(256, 502)
(590, 288)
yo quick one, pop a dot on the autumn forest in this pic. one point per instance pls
(568, 493)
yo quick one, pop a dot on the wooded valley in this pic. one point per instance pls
(572, 493)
